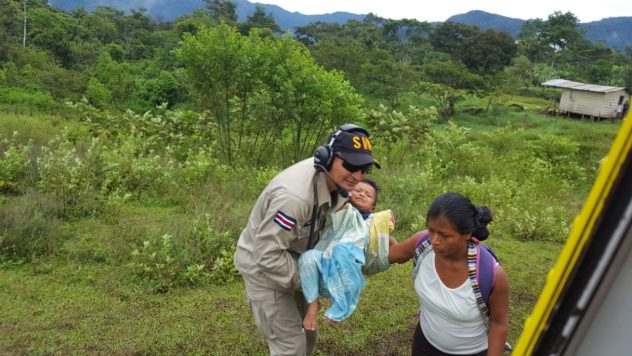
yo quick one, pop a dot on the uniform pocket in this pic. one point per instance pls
(275, 312)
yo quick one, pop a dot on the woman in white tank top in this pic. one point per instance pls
(450, 319)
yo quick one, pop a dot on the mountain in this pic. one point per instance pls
(615, 32)
(485, 20)
(169, 10)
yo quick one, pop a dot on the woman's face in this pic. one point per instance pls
(363, 196)
(446, 240)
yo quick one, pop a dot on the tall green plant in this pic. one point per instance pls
(259, 87)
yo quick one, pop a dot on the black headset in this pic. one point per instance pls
(324, 155)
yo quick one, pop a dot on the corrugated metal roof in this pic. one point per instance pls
(569, 84)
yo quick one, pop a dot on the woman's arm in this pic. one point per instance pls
(405, 250)
(498, 314)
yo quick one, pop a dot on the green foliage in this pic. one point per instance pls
(488, 52)
(28, 99)
(445, 97)
(259, 19)
(203, 255)
(389, 127)
(180, 207)
(71, 177)
(257, 87)
(14, 164)
(29, 227)
(222, 11)
(384, 77)
(98, 94)
(450, 37)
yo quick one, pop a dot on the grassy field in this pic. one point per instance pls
(83, 296)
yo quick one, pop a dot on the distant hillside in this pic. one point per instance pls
(615, 32)
(169, 10)
(485, 21)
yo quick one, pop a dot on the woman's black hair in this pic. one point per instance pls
(465, 216)
(373, 184)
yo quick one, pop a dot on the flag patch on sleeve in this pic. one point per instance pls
(285, 221)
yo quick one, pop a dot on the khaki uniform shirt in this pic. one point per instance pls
(278, 228)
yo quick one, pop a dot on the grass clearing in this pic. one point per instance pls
(84, 298)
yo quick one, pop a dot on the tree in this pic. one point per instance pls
(628, 78)
(345, 55)
(448, 82)
(408, 39)
(316, 31)
(386, 78)
(542, 41)
(98, 94)
(450, 37)
(9, 26)
(258, 87)
(521, 71)
(222, 10)
(193, 22)
(259, 19)
(488, 52)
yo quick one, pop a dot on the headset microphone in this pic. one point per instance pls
(342, 191)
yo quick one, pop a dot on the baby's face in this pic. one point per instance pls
(363, 196)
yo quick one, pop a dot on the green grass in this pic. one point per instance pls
(85, 299)
(89, 308)
(39, 128)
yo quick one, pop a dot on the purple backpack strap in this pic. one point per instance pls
(486, 271)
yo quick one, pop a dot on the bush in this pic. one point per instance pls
(28, 99)
(72, 178)
(14, 164)
(29, 228)
(98, 94)
(202, 255)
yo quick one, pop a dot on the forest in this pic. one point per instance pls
(132, 150)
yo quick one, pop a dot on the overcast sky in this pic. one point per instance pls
(585, 10)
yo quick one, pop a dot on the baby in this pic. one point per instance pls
(363, 198)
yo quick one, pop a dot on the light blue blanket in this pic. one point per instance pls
(333, 268)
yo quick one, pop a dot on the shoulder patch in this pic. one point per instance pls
(285, 221)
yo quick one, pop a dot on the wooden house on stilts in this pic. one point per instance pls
(594, 101)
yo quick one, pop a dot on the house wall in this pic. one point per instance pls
(589, 103)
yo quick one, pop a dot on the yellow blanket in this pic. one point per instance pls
(376, 251)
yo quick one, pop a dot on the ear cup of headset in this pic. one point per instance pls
(323, 156)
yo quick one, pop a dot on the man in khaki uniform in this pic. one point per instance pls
(291, 208)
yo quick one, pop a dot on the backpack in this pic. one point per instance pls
(482, 263)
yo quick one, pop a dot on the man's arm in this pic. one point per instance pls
(284, 215)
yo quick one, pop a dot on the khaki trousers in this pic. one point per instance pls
(279, 316)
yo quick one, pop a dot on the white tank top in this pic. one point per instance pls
(450, 318)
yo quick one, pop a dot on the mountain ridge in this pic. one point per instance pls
(614, 32)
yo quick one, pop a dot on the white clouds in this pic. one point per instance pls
(430, 11)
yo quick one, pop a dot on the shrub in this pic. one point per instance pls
(204, 254)
(98, 94)
(28, 99)
(14, 164)
(29, 228)
(71, 177)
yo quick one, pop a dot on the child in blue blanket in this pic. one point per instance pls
(333, 269)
